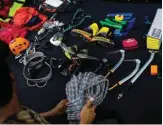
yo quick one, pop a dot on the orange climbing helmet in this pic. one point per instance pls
(18, 45)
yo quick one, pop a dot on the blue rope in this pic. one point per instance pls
(78, 17)
(147, 20)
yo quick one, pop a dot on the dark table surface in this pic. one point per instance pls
(142, 104)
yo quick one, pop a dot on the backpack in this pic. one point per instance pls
(8, 32)
(29, 18)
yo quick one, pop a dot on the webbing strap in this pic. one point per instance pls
(16, 5)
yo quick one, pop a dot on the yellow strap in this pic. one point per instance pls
(103, 30)
(153, 43)
(68, 55)
(81, 32)
(95, 28)
(14, 8)
(113, 87)
(5, 20)
(96, 38)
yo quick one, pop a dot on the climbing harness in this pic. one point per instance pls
(36, 61)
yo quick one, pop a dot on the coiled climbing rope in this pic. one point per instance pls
(80, 88)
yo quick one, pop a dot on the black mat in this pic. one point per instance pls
(140, 105)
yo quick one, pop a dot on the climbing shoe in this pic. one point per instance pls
(103, 37)
(87, 33)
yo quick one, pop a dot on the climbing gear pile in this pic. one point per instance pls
(38, 55)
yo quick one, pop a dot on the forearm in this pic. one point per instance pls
(47, 114)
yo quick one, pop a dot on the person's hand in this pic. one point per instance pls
(59, 109)
(87, 114)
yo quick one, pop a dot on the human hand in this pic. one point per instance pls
(87, 114)
(59, 109)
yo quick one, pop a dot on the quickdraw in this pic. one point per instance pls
(121, 82)
(131, 83)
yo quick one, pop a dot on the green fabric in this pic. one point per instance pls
(112, 22)
(103, 23)
(13, 9)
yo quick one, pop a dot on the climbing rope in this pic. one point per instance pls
(82, 87)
